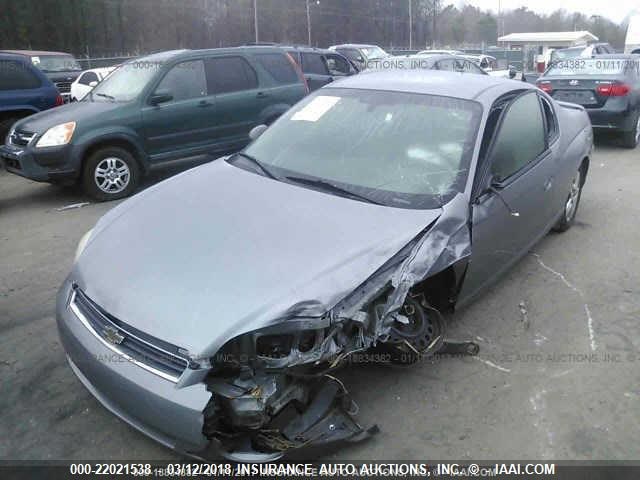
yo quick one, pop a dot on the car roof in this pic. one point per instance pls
(354, 45)
(623, 56)
(187, 53)
(434, 82)
(35, 53)
(306, 48)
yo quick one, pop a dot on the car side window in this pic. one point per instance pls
(351, 54)
(521, 138)
(448, 65)
(88, 77)
(314, 64)
(184, 81)
(16, 76)
(230, 74)
(550, 119)
(337, 65)
(279, 67)
(470, 67)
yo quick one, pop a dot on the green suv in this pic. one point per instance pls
(153, 110)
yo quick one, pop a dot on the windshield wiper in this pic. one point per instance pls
(257, 163)
(110, 97)
(330, 187)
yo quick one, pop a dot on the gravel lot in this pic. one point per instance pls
(557, 376)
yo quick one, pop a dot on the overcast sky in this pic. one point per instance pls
(615, 10)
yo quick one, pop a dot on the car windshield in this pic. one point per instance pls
(125, 83)
(399, 149)
(374, 52)
(592, 66)
(56, 63)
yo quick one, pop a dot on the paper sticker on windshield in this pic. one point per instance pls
(316, 108)
(35, 60)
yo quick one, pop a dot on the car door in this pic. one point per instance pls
(183, 124)
(513, 198)
(239, 99)
(315, 70)
(19, 86)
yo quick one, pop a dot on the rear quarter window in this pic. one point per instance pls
(313, 63)
(230, 74)
(278, 66)
(17, 76)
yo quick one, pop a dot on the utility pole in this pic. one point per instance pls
(255, 18)
(435, 19)
(410, 26)
(308, 24)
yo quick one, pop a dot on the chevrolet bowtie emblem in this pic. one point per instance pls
(573, 82)
(111, 335)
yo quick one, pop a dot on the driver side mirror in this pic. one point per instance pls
(256, 131)
(512, 71)
(93, 84)
(161, 96)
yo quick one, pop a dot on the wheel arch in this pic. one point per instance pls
(120, 141)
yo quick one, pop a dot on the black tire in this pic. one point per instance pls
(5, 126)
(115, 162)
(569, 215)
(631, 138)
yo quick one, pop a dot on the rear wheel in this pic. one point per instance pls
(631, 138)
(571, 204)
(110, 173)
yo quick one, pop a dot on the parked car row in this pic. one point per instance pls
(185, 104)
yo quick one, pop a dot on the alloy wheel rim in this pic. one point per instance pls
(112, 175)
(572, 200)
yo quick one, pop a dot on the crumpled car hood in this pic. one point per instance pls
(218, 251)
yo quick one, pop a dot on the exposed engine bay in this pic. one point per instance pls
(274, 389)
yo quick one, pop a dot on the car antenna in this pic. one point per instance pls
(512, 212)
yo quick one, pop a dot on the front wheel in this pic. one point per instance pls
(571, 204)
(631, 138)
(110, 173)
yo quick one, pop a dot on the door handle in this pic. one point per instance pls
(204, 103)
(262, 95)
(548, 184)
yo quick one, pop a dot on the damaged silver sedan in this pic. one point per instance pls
(211, 310)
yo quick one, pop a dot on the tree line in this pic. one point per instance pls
(98, 28)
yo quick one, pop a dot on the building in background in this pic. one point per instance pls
(537, 46)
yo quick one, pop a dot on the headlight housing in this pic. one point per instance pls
(82, 244)
(58, 135)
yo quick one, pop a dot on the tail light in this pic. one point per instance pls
(545, 86)
(298, 70)
(59, 100)
(613, 89)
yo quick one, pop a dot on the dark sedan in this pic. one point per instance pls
(607, 86)
(211, 310)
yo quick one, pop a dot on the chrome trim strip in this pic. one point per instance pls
(76, 311)
(155, 347)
